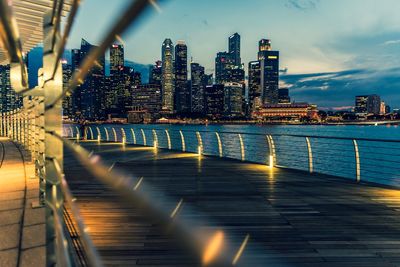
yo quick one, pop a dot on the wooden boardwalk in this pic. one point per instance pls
(293, 218)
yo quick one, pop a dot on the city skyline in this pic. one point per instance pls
(321, 41)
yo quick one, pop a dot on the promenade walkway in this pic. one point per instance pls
(292, 218)
(22, 229)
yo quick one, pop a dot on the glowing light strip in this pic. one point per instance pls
(71, 131)
(272, 155)
(200, 143)
(107, 136)
(98, 134)
(219, 145)
(178, 206)
(133, 136)
(115, 134)
(242, 147)
(183, 141)
(123, 136)
(310, 157)
(155, 139)
(168, 139)
(91, 133)
(77, 131)
(144, 137)
(358, 165)
(241, 249)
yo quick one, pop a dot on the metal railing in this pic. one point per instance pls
(360, 159)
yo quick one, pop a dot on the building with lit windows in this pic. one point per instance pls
(233, 100)
(197, 87)
(182, 92)
(290, 111)
(269, 72)
(214, 101)
(234, 49)
(167, 77)
(9, 100)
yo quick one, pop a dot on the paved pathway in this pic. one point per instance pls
(293, 218)
(22, 230)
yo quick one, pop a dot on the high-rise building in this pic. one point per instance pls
(224, 63)
(269, 72)
(254, 85)
(182, 92)
(155, 72)
(167, 77)
(234, 49)
(93, 87)
(197, 88)
(147, 97)
(233, 99)
(374, 104)
(67, 101)
(214, 101)
(117, 90)
(284, 97)
(9, 100)
(77, 94)
(361, 104)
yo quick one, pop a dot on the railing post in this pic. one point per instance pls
(272, 153)
(133, 136)
(144, 137)
(310, 156)
(220, 152)
(107, 136)
(199, 143)
(115, 135)
(242, 152)
(357, 159)
(53, 145)
(98, 134)
(155, 139)
(91, 133)
(168, 139)
(183, 141)
(78, 133)
(123, 136)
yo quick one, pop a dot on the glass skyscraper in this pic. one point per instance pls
(167, 77)
(182, 93)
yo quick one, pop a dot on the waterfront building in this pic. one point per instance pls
(224, 64)
(155, 73)
(361, 104)
(290, 111)
(233, 100)
(374, 104)
(283, 94)
(182, 92)
(167, 77)
(214, 101)
(146, 98)
(254, 85)
(67, 100)
(269, 72)
(117, 89)
(9, 100)
(93, 87)
(77, 94)
(197, 88)
(234, 49)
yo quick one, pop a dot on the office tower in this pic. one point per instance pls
(93, 87)
(182, 93)
(67, 101)
(374, 104)
(224, 63)
(284, 97)
(234, 49)
(147, 98)
(254, 85)
(34, 63)
(209, 79)
(361, 104)
(117, 88)
(167, 77)
(214, 101)
(197, 88)
(233, 99)
(269, 70)
(77, 94)
(155, 73)
(9, 100)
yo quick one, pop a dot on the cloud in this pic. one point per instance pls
(338, 89)
(392, 42)
(302, 5)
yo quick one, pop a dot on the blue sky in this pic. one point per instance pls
(352, 37)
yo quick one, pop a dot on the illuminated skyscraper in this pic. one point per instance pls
(9, 100)
(155, 72)
(167, 77)
(269, 72)
(197, 88)
(233, 99)
(254, 85)
(234, 49)
(214, 101)
(182, 92)
(116, 91)
(224, 64)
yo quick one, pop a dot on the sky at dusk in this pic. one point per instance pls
(333, 50)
